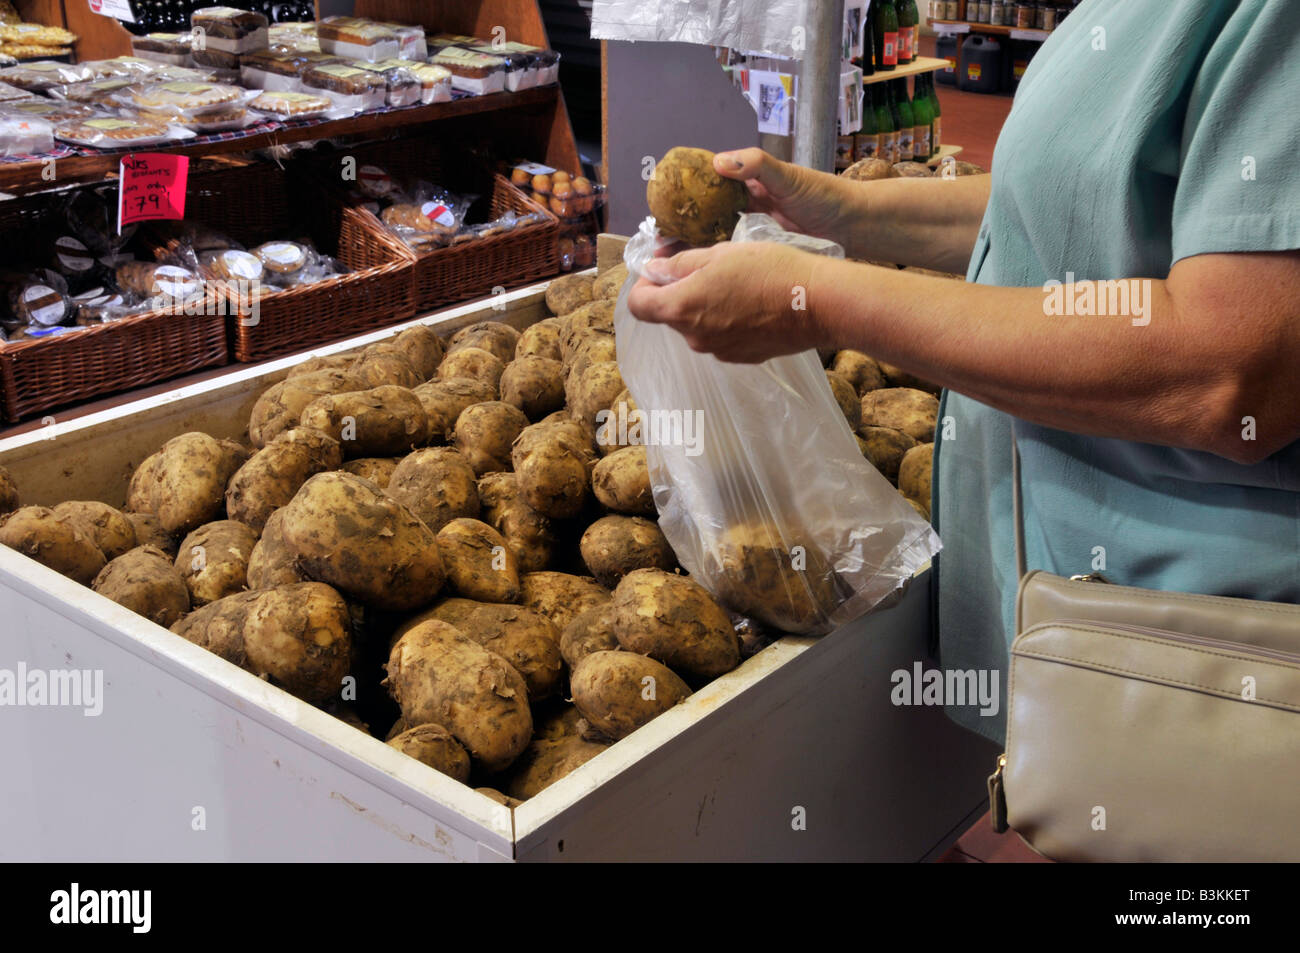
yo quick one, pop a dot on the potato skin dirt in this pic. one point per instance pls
(690, 201)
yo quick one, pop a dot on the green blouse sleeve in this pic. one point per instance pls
(1239, 177)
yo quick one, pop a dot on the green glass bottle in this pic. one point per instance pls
(885, 125)
(884, 33)
(922, 120)
(866, 141)
(936, 140)
(902, 109)
(908, 18)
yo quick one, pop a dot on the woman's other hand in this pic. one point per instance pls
(802, 200)
(743, 303)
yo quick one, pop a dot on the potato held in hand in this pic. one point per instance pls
(437, 674)
(674, 620)
(618, 692)
(347, 532)
(690, 201)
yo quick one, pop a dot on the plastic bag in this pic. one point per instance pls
(760, 486)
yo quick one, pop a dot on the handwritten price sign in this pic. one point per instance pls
(152, 187)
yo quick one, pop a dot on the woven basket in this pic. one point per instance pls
(375, 291)
(81, 365)
(471, 269)
(88, 363)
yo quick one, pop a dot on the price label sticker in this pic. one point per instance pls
(152, 186)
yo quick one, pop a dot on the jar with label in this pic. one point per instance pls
(953, 7)
(1040, 16)
(1025, 16)
(997, 13)
(1050, 16)
(985, 11)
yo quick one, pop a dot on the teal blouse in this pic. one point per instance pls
(1142, 133)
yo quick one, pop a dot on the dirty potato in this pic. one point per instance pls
(345, 531)
(478, 562)
(108, 528)
(485, 433)
(273, 474)
(674, 620)
(435, 746)
(535, 385)
(213, 560)
(618, 692)
(145, 581)
(614, 546)
(621, 482)
(437, 484)
(436, 674)
(530, 535)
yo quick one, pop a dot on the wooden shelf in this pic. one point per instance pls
(943, 153)
(989, 28)
(922, 64)
(21, 177)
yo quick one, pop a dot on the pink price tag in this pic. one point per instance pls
(152, 186)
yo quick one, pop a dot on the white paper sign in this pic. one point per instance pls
(117, 9)
(771, 95)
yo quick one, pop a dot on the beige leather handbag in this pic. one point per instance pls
(1149, 726)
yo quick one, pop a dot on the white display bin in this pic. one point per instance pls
(796, 755)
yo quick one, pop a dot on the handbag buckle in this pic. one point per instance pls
(1090, 577)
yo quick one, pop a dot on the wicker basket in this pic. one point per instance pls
(81, 365)
(471, 269)
(375, 291)
(42, 374)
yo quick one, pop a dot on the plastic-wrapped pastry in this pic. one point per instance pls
(477, 73)
(349, 86)
(402, 87)
(51, 110)
(232, 264)
(117, 133)
(283, 261)
(229, 30)
(357, 39)
(41, 75)
(145, 279)
(123, 67)
(291, 105)
(25, 136)
(39, 302)
(183, 99)
(173, 48)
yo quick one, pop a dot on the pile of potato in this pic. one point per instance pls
(427, 538)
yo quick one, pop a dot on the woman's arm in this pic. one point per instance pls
(1195, 354)
(930, 223)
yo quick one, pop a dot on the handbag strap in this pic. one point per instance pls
(1018, 524)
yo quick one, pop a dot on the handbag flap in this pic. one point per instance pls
(1044, 597)
(1239, 673)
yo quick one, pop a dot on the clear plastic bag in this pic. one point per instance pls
(760, 486)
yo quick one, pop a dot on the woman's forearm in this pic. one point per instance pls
(925, 222)
(1183, 365)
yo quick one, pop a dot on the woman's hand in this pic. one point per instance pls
(742, 303)
(801, 199)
